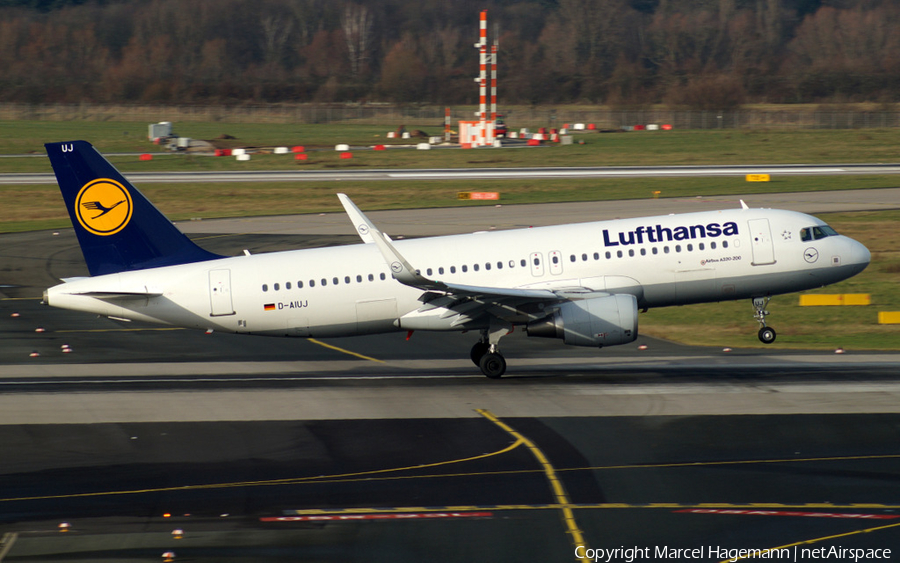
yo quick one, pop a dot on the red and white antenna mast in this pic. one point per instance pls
(482, 76)
(493, 124)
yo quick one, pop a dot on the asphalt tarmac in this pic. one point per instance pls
(382, 449)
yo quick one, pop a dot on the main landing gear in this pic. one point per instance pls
(486, 352)
(766, 334)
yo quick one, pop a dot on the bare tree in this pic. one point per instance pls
(275, 36)
(357, 23)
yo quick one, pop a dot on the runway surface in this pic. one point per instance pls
(484, 173)
(379, 449)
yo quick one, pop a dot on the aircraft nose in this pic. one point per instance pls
(860, 255)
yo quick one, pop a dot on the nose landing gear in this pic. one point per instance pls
(766, 334)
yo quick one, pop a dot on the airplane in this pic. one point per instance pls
(583, 283)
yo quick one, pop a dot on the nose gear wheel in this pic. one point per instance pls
(766, 334)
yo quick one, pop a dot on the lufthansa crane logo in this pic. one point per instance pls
(103, 207)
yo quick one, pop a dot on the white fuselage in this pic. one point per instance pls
(349, 290)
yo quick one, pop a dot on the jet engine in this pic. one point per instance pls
(601, 321)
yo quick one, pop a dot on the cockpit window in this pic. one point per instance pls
(816, 233)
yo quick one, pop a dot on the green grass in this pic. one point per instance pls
(30, 207)
(613, 149)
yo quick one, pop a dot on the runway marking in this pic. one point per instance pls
(555, 506)
(377, 516)
(817, 540)
(331, 347)
(733, 462)
(664, 466)
(367, 476)
(559, 490)
(87, 330)
(758, 512)
(288, 481)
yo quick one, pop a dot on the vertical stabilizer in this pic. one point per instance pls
(117, 227)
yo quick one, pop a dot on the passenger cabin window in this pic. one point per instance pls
(276, 287)
(265, 287)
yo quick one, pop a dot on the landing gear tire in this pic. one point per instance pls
(492, 365)
(766, 334)
(478, 352)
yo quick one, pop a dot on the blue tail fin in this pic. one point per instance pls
(117, 227)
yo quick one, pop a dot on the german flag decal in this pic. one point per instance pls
(269, 307)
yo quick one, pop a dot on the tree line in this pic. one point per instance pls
(700, 54)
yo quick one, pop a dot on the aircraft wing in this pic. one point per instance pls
(468, 301)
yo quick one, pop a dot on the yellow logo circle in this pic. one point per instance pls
(103, 207)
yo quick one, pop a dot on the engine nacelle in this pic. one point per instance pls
(602, 321)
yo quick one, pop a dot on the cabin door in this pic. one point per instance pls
(761, 237)
(220, 293)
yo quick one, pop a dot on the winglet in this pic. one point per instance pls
(744, 205)
(360, 221)
(400, 268)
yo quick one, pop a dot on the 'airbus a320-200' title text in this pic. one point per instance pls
(659, 233)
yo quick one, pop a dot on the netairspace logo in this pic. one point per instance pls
(793, 554)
